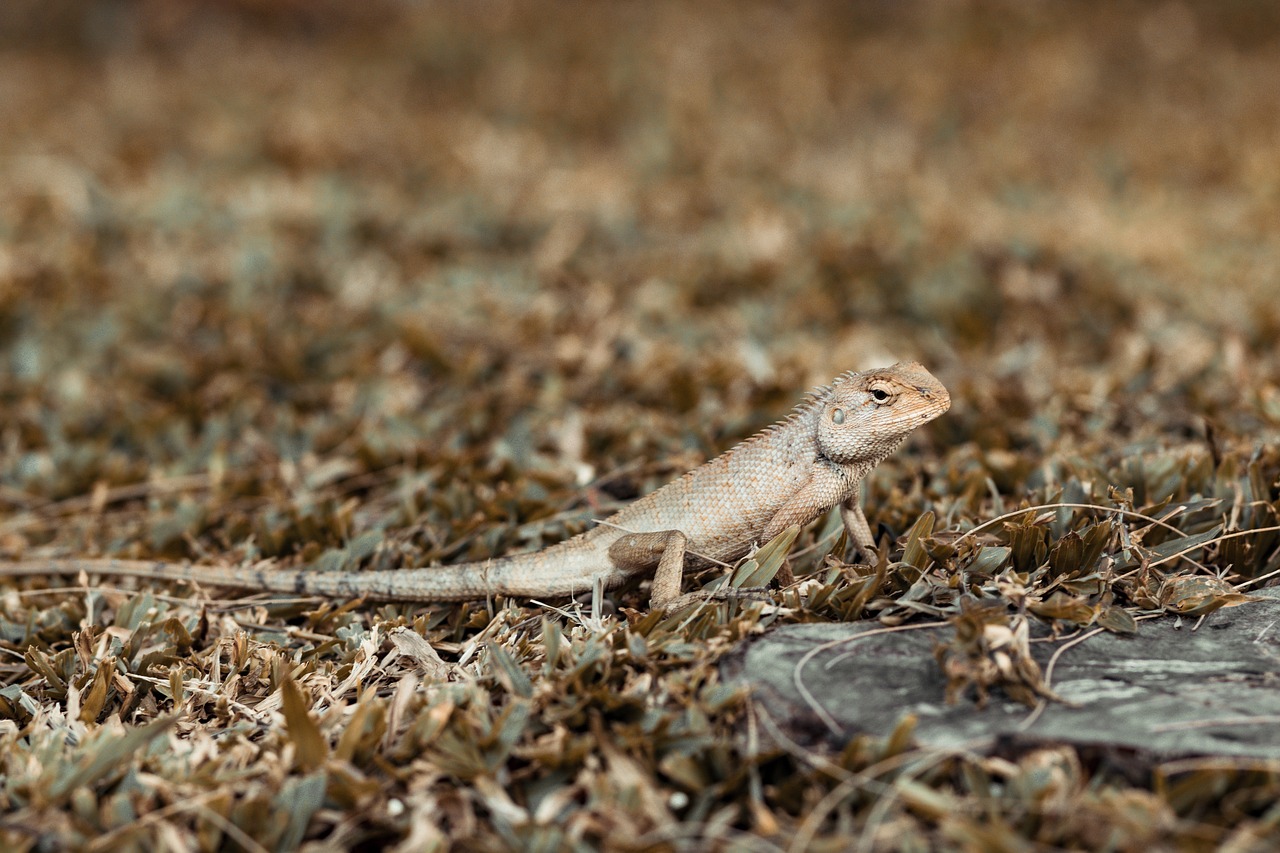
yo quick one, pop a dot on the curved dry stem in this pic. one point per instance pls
(1214, 541)
(797, 672)
(1128, 513)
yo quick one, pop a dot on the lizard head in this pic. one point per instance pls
(867, 415)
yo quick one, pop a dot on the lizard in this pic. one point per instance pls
(787, 474)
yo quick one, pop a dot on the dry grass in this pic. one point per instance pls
(416, 285)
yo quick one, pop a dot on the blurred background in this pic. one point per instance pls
(274, 246)
(368, 284)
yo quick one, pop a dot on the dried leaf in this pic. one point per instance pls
(990, 560)
(413, 645)
(760, 570)
(1196, 595)
(510, 673)
(915, 554)
(310, 747)
(1066, 607)
(1117, 620)
(300, 798)
(108, 753)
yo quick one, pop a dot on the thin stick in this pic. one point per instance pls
(1043, 703)
(1053, 661)
(797, 672)
(1215, 541)
(1249, 583)
(1125, 512)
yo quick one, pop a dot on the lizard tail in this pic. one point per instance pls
(546, 573)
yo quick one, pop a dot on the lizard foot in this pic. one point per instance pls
(754, 593)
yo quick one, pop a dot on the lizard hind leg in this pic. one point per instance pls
(660, 551)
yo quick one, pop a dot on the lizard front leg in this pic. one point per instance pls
(641, 551)
(856, 523)
(823, 490)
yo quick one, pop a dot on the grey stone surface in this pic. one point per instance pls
(1167, 691)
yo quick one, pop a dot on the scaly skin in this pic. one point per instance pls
(788, 474)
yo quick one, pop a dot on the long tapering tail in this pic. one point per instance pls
(557, 571)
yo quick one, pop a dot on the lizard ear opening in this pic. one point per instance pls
(837, 416)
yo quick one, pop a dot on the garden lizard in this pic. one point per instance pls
(788, 474)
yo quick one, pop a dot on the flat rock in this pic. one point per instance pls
(1166, 692)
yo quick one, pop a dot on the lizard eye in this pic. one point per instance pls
(837, 416)
(880, 395)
